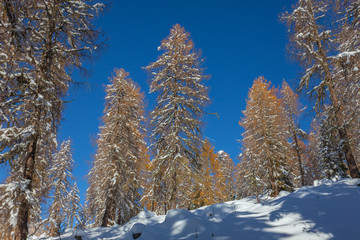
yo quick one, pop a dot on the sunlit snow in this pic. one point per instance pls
(327, 210)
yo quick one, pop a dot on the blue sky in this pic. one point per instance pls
(240, 40)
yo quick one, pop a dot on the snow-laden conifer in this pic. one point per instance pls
(114, 192)
(61, 178)
(331, 158)
(295, 135)
(74, 209)
(249, 179)
(178, 79)
(225, 176)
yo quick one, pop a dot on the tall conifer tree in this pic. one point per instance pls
(114, 192)
(264, 140)
(225, 176)
(61, 177)
(176, 120)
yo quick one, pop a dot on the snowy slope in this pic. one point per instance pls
(327, 210)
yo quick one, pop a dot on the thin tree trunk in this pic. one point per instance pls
(301, 170)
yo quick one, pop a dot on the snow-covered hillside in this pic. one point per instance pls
(327, 210)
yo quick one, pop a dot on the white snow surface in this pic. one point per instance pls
(327, 210)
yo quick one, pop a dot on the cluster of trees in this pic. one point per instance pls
(277, 154)
(43, 41)
(185, 172)
(324, 38)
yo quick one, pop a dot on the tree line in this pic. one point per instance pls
(44, 41)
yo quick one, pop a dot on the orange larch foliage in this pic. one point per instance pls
(264, 139)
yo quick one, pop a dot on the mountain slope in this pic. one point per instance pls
(327, 210)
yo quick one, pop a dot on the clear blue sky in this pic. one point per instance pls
(240, 41)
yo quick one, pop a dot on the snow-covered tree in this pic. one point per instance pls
(42, 41)
(312, 161)
(73, 210)
(249, 179)
(61, 177)
(330, 155)
(331, 158)
(115, 178)
(296, 148)
(314, 43)
(225, 176)
(176, 121)
(264, 140)
(346, 70)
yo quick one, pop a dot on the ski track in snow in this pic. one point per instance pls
(327, 210)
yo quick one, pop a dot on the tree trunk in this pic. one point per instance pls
(297, 148)
(354, 171)
(107, 214)
(21, 230)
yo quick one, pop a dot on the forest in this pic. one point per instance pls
(159, 159)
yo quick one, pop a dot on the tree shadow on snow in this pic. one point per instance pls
(330, 210)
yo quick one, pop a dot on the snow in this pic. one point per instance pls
(327, 210)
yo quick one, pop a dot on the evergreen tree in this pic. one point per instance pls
(114, 192)
(176, 121)
(331, 157)
(42, 41)
(264, 140)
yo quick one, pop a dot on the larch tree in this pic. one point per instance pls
(249, 180)
(178, 79)
(114, 192)
(295, 134)
(313, 44)
(311, 160)
(214, 182)
(43, 41)
(205, 189)
(264, 140)
(225, 176)
(74, 208)
(61, 178)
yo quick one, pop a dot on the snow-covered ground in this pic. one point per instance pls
(327, 210)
